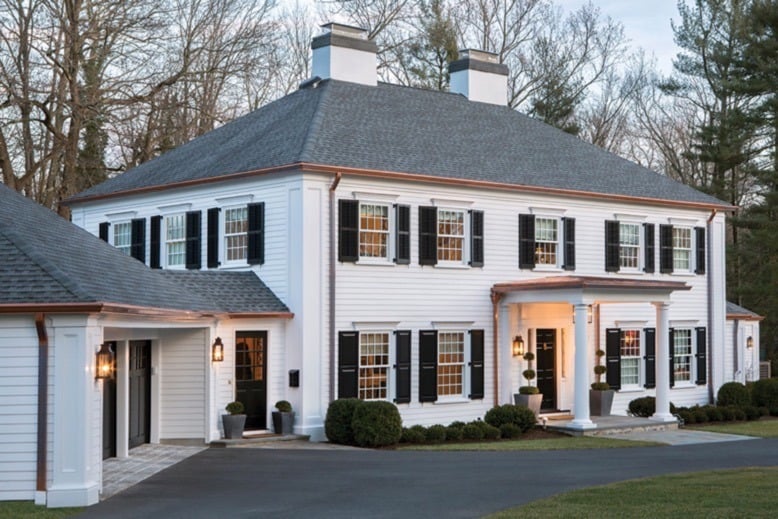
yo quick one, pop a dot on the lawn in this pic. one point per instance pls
(764, 428)
(551, 443)
(749, 492)
(27, 510)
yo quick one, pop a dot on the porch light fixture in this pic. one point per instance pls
(750, 342)
(518, 346)
(104, 362)
(217, 350)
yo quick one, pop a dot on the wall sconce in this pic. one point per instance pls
(589, 314)
(217, 350)
(104, 362)
(750, 342)
(518, 346)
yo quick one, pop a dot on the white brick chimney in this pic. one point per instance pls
(344, 52)
(479, 76)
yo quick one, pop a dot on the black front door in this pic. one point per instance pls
(109, 414)
(546, 347)
(140, 392)
(250, 377)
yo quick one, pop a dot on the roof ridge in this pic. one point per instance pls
(316, 121)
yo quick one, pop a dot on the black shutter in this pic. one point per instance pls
(403, 367)
(154, 242)
(702, 358)
(666, 249)
(193, 234)
(138, 239)
(103, 233)
(213, 237)
(648, 249)
(612, 239)
(476, 364)
(348, 364)
(477, 238)
(569, 230)
(428, 235)
(428, 365)
(255, 254)
(613, 357)
(672, 357)
(699, 241)
(650, 358)
(348, 230)
(403, 247)
(526, 241)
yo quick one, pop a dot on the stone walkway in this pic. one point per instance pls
(680, 437)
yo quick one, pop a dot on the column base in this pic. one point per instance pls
(582, 425)
(662, 417)
(75, 496)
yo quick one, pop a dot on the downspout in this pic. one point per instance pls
(709, 256)
(333, 256)
(495, 361)
(43, 400)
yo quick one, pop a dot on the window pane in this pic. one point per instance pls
(451, 363)
(546, 238)
(630, 357)
(235, 233)
(629, 245)
(122, 236)
(682, 248)
(682, 351)
(373, 230)
(175, 239)
(451, 235)
(373, 365)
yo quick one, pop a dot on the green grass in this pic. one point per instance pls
(28, 510)
(764, 428)
(749, 492)
(548, 444)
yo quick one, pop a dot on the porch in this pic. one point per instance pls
(608, 425)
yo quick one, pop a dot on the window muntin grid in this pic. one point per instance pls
(546, 241)
(451, 235)
(630, 357)
(682, 355)
(122, 236)
(175, 240)
(629, 245)
(373, 366)
(236, 225)
(451, 363)
(373, 230)
(682, 248)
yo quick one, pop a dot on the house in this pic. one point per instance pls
(360, 239)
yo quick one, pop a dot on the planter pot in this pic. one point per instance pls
(283, 423)
(531, 401)
(233, 426)
(600, 402)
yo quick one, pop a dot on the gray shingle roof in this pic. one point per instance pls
(734, 309)
(45, 259)
(403, 130)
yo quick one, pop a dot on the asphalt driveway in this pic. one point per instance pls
(239, 483)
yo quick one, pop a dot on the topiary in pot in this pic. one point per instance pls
(283, 418)
(234, 422)
(529, 396)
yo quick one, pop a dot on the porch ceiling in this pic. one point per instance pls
(586, 290)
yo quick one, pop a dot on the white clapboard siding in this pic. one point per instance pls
(182, 383)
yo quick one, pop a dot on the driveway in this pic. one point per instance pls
(247, 482)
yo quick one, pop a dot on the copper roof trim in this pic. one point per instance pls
(562, 282)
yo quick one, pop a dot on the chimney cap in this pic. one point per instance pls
(345, 30)
(480, 60)
(479, 55)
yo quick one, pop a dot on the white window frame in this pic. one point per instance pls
(225, 236)
(125, 248)
(639, 247)
(691, 249)
(390, 232)
(465, 236)
(559, 249)
(465, 361)
(389, 366)
(638, 334)
(690, 356)
(166, 256)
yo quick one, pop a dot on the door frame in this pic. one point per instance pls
(261, 421)
(550, 402)
(146, 400)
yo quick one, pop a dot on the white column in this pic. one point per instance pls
(122, 399)
(581, 419)
(504, 339)
(662, 413)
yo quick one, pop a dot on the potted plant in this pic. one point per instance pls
(529, 395)
(234, 422)
(601, 394)
(283, 418)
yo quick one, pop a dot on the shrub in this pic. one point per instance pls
(490, 432)
(752, 412)
(454, 432)
(646, 406)
(700, 416)
(739, 413)
(283, 406)
(727, 414)
(764, 411)
(376, 424)
(687, 416)
(510, 430)
(733, 393)
(436, 433)
(600, 386)
(528, 390)
(457, 425)
(472, 431)
(415, 434)
(337, 423)
(517, 415)
(764, 392)
(234, 407)
(713, 412)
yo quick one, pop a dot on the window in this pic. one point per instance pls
(373, 231)
(175, 240)
(546, 241)
(373, 366)
(682, 355)
(235, 234)
(682, 248)
(451, 363)
(629, 245)
(451, 235)
(630, 358)
(122, 237)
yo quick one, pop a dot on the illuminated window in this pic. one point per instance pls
(630, 358)
(451, 235)
(373, 366)
(682, 355)
(373, 231)
(546, 241)
(451, 363)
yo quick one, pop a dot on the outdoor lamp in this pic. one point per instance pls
(750, 342)
(217, 350)
(518, 346)
(104, 362)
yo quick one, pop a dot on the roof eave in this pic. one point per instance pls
(140, 311)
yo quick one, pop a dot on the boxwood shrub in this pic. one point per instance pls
(414, 434)
(376, 424)
(337, 423)
(472, 431)
(764, 393)
(733, 393)
(517, 415)
(700, 415)
(510, 431)
(646, 406)
(713, 412)
(752, 412)
(436, 433)
(454, 432)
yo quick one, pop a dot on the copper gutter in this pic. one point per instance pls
(110, 308)
(43, 401)
(332, 274)
(496, 297)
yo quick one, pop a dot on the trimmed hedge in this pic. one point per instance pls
(510, 431)
(454, 432)
(376, 424)
(337, 423)
(472, 431)
(436, 433)
(517, 415)
(733, 393)
(415, 434)
(764, 393)
(646, 406)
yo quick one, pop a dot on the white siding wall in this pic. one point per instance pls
(183, 357)
(18, 412)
